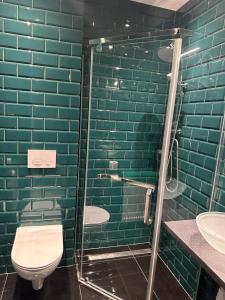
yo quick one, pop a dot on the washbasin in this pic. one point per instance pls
(212, 227)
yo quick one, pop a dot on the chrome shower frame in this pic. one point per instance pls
(176, 34)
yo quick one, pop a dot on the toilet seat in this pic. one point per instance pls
(37, 248)
(36, 269)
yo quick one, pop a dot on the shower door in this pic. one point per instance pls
(124, 107)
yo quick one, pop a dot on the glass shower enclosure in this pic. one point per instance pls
(128, 111)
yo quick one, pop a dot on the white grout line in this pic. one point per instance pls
(3, 289)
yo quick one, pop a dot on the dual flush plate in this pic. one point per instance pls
(41, 159)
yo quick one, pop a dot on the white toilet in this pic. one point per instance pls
(37, 251)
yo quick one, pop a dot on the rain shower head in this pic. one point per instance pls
(165, 53)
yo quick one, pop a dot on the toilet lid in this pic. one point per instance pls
(37, 246)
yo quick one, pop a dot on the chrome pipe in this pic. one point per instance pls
(164, 164)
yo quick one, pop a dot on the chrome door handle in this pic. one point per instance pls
(147, 220)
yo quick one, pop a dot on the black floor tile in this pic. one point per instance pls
(166, 286)
(122, 277)
(61, 285)
(88, 294)
(2, 282)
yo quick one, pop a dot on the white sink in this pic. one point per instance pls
(212, 227)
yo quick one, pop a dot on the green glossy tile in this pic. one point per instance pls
(17, 205)
(220, 80)
(8, 68)
(20, 2)
(57, 100)
(8, 96)
(56, 125)
(68, 137)
(215, 94)
(30, 71)
(30, 14)
(8, 171)
(20, 110)
(214, 26)
(2, 113)
(47, 32)
(45, 112)
(76, 49)
(218, 108)
(1, 53)
(69, 113)
(69, 35)
(47, 4)
(7, 40)
(18, 56)
(30, 43)
(207, 17)
(17, 27)
(18, 183)
(8, 10)
(70, 62)
(211, 122)
(44, 136)
(8, 217)
(17, 83)
(58, 47)
(28, 123)
(219, 37)
(45, 59)
(17, 135)
(30, 97)
(69, 88)
(59, 19)
(75, 76)
(57, 74)
(44, 86)
(8, 122)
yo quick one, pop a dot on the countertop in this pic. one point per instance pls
(187, 233)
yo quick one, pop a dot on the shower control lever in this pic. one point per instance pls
(147, 220)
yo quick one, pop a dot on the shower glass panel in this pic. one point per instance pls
(126, 113)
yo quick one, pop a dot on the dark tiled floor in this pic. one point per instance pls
(126, 277)
(61, 285)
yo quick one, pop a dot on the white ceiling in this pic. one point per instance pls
(168, 4)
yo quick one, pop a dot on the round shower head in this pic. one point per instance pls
(165, 53)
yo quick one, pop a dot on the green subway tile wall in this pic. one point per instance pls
(41, 44)
(202, 112)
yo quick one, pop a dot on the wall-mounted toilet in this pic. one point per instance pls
(37, 251)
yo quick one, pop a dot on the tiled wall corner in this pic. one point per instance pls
(202, 112)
